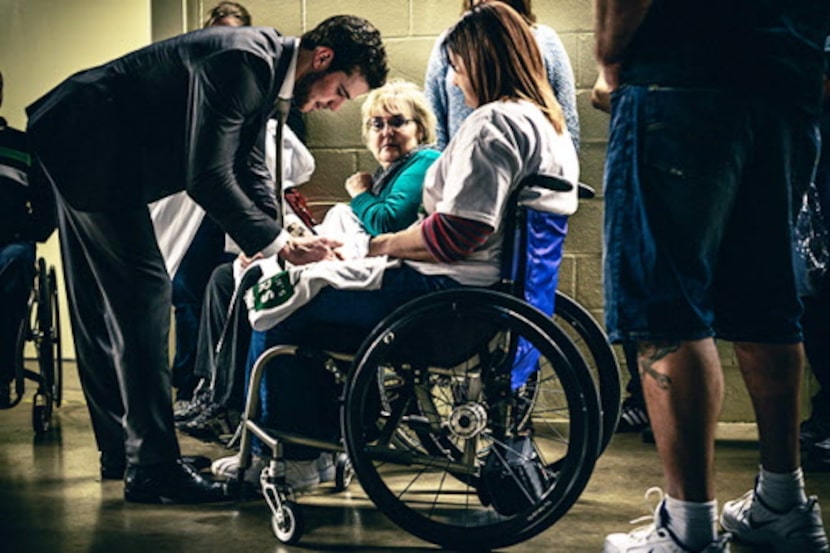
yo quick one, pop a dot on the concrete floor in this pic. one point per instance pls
(51, 499)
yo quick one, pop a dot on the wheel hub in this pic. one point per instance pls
(468, 420)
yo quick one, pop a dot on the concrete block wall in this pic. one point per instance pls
(409, 29)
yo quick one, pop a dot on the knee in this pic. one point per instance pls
(776, 361)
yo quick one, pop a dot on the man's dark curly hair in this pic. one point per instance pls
(356, 44)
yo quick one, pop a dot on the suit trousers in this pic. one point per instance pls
(119, 302)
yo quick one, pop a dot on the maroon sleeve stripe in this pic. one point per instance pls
(450, 238)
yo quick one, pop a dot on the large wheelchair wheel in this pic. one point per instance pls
(45, 319)
(593, 344)
(41, 327)
(24, 335)
(478, 452)
(47, 332)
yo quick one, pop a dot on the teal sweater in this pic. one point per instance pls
(395, 207)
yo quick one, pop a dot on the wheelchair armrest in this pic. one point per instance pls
(559, 184)
(585, 191)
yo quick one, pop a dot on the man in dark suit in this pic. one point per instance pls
(186, 113)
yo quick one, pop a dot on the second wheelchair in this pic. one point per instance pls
(40, 328)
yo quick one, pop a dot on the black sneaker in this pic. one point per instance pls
(634, 417)
(213, 422)
(194, 407)
(817, 457)
(813, 430)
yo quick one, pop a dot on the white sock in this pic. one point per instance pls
(781, 491)
(692, 523)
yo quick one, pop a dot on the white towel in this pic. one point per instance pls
(279, 293)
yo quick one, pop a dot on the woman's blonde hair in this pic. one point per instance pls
(502, 58)
(400, 97)
(228, 9)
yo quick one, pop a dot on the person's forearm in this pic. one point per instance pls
(406, 244)
(616, 23)
(601, 93)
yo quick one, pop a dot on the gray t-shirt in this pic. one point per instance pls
(497, 146)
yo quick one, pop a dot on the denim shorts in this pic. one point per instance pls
(699, 188)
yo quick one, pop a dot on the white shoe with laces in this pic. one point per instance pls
(656, 537)
(302, 476)
(799, 529)
(325, 466)
(228, 468)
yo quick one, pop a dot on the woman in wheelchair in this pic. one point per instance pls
(517, 130)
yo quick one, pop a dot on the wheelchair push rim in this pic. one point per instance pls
(435, 482)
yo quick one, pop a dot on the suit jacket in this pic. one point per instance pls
(186, 113)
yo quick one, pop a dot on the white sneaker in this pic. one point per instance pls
(302, 476)
(656, 537)
(325, 466)
(228, 468)
(799, 529)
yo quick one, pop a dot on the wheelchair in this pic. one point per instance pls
(471, 418)
(41, 328)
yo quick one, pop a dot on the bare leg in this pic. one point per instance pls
(683, 387)
(772, 373)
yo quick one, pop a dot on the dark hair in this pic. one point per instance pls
(502, 58)
(522, 7)
(228, 9)
(356, 44)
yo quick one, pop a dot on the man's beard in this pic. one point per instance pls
(302, 88)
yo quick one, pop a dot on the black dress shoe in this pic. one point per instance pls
(113, 465)
(198, 462)
(175, 482)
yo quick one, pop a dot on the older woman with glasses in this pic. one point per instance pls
(398, 129)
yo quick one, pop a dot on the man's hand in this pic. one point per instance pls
(308, 249)
(244, 260)
(358, 183)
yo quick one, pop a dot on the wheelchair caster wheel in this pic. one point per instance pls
(287, 523)
(343, 472)
(41, 413)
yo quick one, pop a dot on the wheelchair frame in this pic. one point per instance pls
(41, 327)
(442, 424)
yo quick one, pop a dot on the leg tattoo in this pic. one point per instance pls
(650, 353)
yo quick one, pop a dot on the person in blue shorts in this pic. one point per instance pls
(702, 181)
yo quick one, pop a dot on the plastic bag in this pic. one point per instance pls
(812, 243)
(513, 477)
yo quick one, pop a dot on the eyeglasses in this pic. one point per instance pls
(377, 124)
